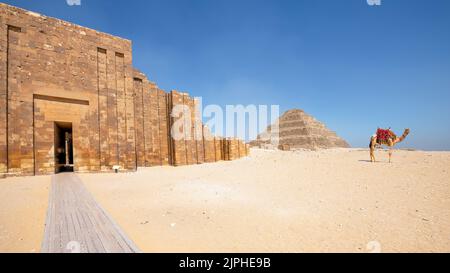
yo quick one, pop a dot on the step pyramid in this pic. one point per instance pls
(295, 130)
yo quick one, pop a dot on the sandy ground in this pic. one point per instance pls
(326, 201)
(23, 209)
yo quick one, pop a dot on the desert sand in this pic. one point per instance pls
(322, 201)
(23, 209)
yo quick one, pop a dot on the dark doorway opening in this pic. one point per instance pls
(63, 147)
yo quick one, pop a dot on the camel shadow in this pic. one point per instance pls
(368, 161)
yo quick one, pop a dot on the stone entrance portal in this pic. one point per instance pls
(63, 147)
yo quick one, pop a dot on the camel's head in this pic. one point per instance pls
(405, 134)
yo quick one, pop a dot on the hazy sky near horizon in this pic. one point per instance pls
(353, 66)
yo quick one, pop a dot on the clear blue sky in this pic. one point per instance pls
(351, 65)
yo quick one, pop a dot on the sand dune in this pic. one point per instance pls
(324, 201)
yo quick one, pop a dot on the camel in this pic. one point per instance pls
(387, 138)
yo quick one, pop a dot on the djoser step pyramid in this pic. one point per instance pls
(297, 130)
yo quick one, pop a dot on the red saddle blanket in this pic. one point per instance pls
(383, 134)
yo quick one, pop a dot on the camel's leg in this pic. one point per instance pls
(372, 150)
(391, 150)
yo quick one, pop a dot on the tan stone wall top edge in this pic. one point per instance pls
(36, 14)
(142, 76)
(181, 93)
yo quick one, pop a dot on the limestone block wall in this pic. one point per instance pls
(241, 146)
(234, 149)
(152, 123)
(140, 122)
(50, 68)
(218, 149)
(178, 132)
(225, 150)
(52, 71)
(152, 131)
(160, 115)
(191, 147)
(164, 127)
(210, 149)
(198, 125)
(3, 93)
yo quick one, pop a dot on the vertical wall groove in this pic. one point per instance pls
(143, 124)
(126, 110)
(103, 104)
(185, 129)
(204, 144)
(98, 113)
(169, 127)
(34, 144)
(108, 95)
(9, 29)
(117, 111)
(136, 90)
(7, 99)
(159, 130)
(134, 136)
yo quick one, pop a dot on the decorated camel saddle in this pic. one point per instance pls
(384, 134)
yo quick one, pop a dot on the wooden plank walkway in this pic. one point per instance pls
(77, 223)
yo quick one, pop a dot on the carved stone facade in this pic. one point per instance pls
(59, 77)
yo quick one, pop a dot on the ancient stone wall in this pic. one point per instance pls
(182, 139)
(233, 149)
(177, 119)
(55, 72)
(208, 142)
(3, 93)
(198, 124)
(218, 149)
(164, 127)
(152, 123)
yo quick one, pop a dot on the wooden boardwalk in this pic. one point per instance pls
(77, 224)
